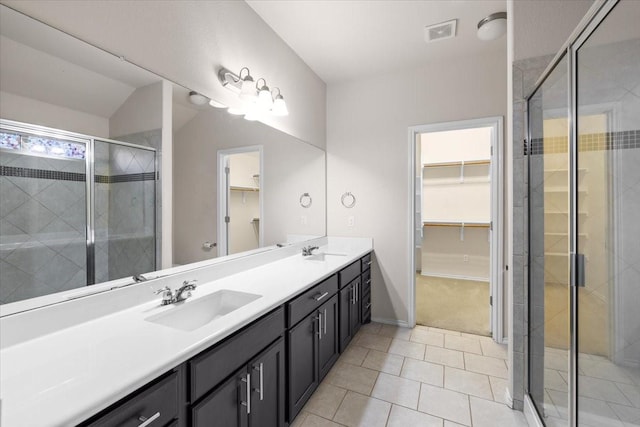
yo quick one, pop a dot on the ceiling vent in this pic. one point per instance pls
(441, 31)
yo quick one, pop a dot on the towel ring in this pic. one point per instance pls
(348, 200)
(305, 200)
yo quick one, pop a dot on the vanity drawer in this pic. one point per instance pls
(366, 262)
(300, 307)
(366, 281)
(349, 273)
(159, 400)
(212, 366)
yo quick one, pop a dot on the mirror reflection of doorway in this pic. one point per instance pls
(240, 200)
(455, 208)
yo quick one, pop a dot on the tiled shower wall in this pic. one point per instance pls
(42, 226)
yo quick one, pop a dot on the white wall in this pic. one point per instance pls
(188, 41)
(28, 110)
(142, 111)
(368, 154)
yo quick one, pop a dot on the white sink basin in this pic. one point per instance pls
(193, 314)
(324, 256)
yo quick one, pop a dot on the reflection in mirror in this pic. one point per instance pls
(81, 179)
(268, 171)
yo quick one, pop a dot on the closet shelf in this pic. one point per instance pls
(236, 188)
(456, 163)
(476, 224)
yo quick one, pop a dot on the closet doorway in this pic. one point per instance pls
(456, 210)
(239, 200)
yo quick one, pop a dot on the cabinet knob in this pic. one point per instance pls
(147, 421)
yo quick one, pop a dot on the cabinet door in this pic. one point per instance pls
(267, 385)
(346, 301)
(328, 340)
(356, 307)
(303, 363)
(223, 406)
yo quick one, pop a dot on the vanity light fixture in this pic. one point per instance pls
(493, 26)
(279, 106)
(257, 98)
(247, 90)
(216, 104)
(265, 101)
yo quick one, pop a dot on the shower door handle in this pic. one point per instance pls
(577, 270)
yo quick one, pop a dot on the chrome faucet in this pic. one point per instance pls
(308, 251)
(169, 297)
(187, 286)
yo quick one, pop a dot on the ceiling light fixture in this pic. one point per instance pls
(256, 97)
(493, 26)
(197, 99)
(216, 104)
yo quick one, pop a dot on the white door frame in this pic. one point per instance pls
(497, 214)
(223, 192)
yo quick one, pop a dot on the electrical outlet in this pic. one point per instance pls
(351, 221)
(465, 258)
(303, 220)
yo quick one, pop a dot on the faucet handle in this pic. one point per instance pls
(191, 282)
(163, 290)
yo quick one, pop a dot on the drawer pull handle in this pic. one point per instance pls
(368, 306)
(369, 263)
(368, 281)
(261, 389)
(320, 296)
(147, 421)
(247, 380)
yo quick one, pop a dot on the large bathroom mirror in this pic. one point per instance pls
(84, 139)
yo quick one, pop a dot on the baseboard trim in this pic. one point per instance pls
(394, 322)
(530, 413)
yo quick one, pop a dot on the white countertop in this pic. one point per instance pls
(66, 376)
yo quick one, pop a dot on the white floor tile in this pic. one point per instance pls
(444, 403)
(374, 342)
(467, 382)
(325, 400)
(444, 356)
(357, 410)
(383, 362)
(313, 420)
(395, 332)
(404, 417)
(596, 388)
(352, 377)
(486, 365)
(400, 391)
(493, 349)
(407, 349)
(354, 354)
(425, 372)
(465, 344)
(427, 337)
(499, 389)
(485, 413)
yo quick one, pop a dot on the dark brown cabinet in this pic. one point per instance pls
(350, 312)
(252, 396)
(312, 341)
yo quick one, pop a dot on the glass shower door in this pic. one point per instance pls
(549, 293)
(608, 228)
(125, 210)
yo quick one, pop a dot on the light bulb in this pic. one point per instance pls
(279, 107)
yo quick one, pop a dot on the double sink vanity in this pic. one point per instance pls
(248, 347)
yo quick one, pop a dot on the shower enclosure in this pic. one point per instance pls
(584, 233)
(60, 230)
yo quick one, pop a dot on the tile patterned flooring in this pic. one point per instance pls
(391, 376)
(608, 394)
